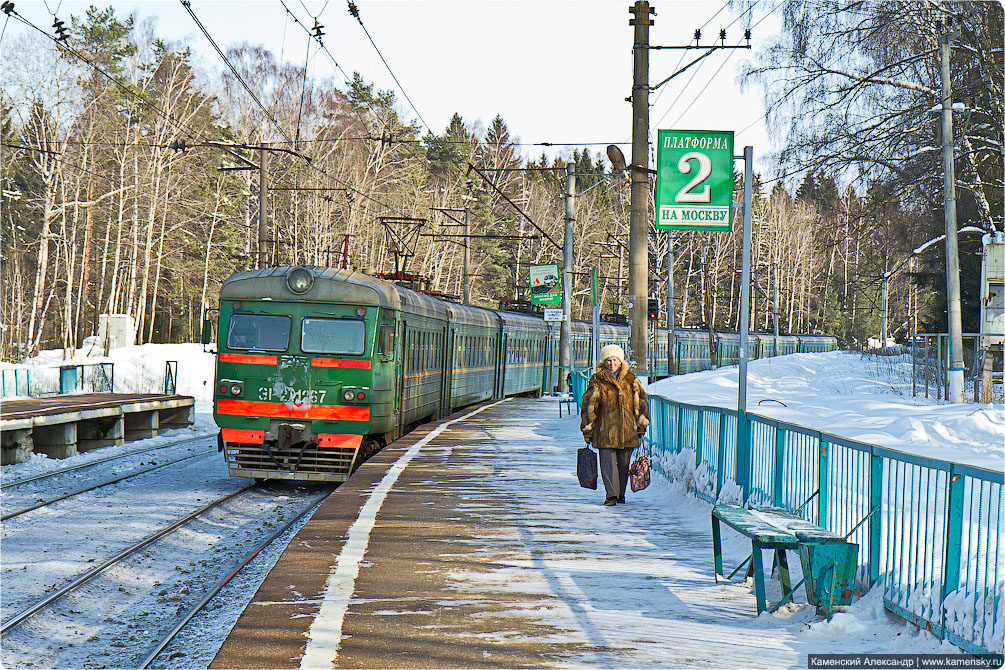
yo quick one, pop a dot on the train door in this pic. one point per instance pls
(448, 371)
(503, 355)
(399, 391)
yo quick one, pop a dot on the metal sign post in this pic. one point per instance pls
(742, 426)
(553, 315)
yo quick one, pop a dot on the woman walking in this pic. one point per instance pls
(615, 416)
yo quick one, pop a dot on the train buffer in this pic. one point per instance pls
(469, 543)
(827, 560)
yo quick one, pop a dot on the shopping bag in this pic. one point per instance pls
(586, 467)
(638, 473)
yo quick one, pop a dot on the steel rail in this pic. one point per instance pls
(53, 473)
(223, 582)
(97, 486)
(18, 618)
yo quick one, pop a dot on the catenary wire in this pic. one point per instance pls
(187, 4)
(355, 12)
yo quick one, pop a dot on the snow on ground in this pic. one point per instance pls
(858, 396)
(863, 398)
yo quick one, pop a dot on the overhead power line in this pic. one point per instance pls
(187, 4)
(354, 11)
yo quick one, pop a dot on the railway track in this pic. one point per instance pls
(49, 501)
(99, 461)
(174, 575)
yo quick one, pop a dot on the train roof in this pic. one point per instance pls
(329, 285)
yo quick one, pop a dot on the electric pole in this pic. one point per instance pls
(565, 333)
(466, 287)
(263, 208)
(955, 372)
(638, 238)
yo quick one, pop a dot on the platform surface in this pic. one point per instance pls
(469, 544)
(80, 402)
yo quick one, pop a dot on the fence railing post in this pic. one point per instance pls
(777, 485)
(721, 467)
(170, 377)
(700, 439)
(954, 540)
(743, 454)
(679, 432)
(875, 521)
(823, 470)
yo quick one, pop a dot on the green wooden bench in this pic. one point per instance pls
(828, 560)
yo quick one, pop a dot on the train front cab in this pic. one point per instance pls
(301, 378)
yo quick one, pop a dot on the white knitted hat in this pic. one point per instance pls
(612, 350)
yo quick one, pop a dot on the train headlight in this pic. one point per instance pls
(235, 389)
(349, 395)
(300, 280)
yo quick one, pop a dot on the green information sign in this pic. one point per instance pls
(694, 179)
(545, 286)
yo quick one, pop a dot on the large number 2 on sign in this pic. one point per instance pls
(704, 170)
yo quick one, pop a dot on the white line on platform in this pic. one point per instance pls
(325, 633)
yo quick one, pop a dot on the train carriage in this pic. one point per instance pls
(471, 346)
(523, 345)
(316, 367)
(422, 321)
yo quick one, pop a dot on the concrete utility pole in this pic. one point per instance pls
(883, 292)
(263, 209)
(638, 238)
(465, 287)
(955, 372)
(774, 303)
(565, 334)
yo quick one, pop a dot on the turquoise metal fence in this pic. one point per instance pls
(54, 380)
(929, 531)
(15, 382)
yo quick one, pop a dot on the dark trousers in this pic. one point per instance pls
(614, 470)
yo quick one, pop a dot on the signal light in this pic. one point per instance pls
(654, 309)
(222, 389)
(360, 396)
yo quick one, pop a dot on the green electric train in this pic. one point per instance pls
(318, 367)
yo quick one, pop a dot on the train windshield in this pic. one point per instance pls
(332, 336)
(258, 331)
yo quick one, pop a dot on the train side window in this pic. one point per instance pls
(385, 339)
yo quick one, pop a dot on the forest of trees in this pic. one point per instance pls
(114, 200)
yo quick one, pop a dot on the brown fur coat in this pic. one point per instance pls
(615, 409)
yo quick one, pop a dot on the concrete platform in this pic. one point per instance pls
(61, 426)
(469, 544)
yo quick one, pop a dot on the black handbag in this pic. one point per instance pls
(586, 467)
